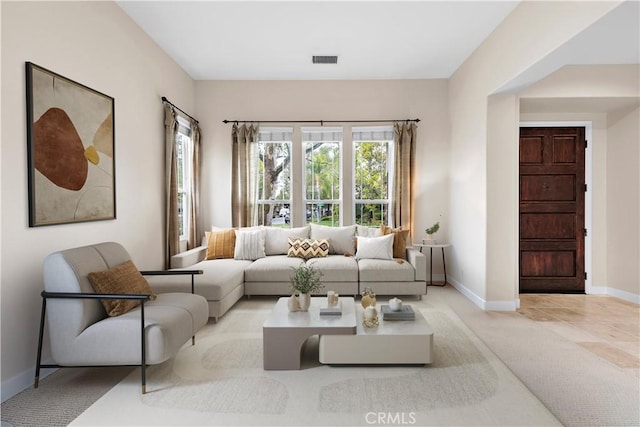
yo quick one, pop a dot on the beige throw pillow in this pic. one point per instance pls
(399, 240)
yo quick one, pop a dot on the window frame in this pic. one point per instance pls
(286, 138)
(324, 133)
(184, 164)
(384, 135)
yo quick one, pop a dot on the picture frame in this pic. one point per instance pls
(70, 150)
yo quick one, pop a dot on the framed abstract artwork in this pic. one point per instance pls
(71, 150)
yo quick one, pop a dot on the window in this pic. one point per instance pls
(373, 154)
(274, 177)
(184, 156)
(322, 157)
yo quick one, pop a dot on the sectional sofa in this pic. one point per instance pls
(259, 261)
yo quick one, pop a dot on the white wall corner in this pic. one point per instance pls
(24, 380)
(481, 302)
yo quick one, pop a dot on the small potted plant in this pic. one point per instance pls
(430, 239)
(304, 281)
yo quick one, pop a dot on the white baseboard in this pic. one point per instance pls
(482, 303)
(22, 381)
(627, 296)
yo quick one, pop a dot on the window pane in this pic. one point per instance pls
(183, 170)
(323, 213)
(322, 155)
(274, 177)
(371, 171)
(373, 148)
(371, 214)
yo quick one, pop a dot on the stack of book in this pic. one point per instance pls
(334, 310)
(405, 313)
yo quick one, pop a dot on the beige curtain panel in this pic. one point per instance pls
(172, 237)
(244, 209)
(195, 224)
(405, 135)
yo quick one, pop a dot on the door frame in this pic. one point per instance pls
(588, 179)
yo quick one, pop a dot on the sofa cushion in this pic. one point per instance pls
(336, 268)
(220, 277)
(308, 248)
(375, 247)
(275, 268)
(276, 239)
(381, 270)
(341, 239)
(220, 244)
(364, 231)
(249, 244)
(399, 240)
(120, 279)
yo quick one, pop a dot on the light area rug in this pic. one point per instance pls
(220, 381)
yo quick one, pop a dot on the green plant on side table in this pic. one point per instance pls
(430, 232)
(305, 281)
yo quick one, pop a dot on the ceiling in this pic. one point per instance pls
(275, 40)
(271, 40)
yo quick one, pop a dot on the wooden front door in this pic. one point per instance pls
(552, 209)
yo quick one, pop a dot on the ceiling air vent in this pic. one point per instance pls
(317, 59)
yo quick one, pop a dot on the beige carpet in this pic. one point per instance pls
(220, 381)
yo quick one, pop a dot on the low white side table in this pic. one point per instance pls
(444, 264)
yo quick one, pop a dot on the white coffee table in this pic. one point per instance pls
(391, 342)
(285, 332)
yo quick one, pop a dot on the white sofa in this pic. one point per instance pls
(225, 281)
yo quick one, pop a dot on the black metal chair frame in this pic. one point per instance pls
(80, 295)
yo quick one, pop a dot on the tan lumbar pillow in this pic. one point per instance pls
(121, 279)
(399, 240)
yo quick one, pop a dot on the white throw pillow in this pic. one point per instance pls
(341, 239)
(365, 231)
(375, 247)
(249, 244)
(277, 239)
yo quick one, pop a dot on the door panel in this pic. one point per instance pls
(552, 209)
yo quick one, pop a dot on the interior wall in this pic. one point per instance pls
(96, 44)
(623, 203)
(328, 100)
(515, 46)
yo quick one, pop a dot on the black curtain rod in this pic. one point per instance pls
(322, 122)
(180, 109)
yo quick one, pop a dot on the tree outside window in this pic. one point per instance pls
(274, 177)
(322, 148)
(372, 163)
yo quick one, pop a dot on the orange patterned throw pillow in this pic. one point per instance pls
(308, 248)
(121, 279)
(221, 244)
(399, 240)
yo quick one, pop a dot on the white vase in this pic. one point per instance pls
(305, 301)
(293, 303)
(429, 241)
